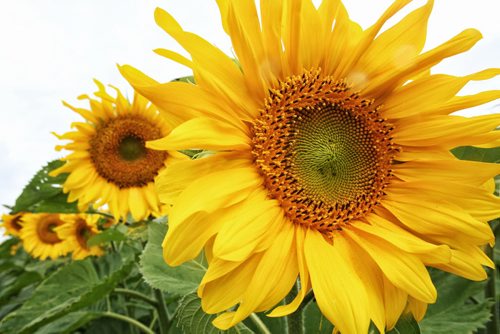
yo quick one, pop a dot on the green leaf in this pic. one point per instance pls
(44, 192)
(315, 321)
(192, 320)
(455, 312)
(69, 323)
(175, 280)
(477, 154)
(16, 282)
(406, 325)
(70, 288)
(111, 234)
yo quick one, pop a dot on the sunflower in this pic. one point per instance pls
(77, 229)
(40, 238)
(110, 164)
(12, 223)
(332, 163)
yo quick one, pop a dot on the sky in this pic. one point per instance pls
(50, 50)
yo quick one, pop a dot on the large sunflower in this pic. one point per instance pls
(77, 229)
(332, 163)
(12, 223)
(110, 163)
(40, 238)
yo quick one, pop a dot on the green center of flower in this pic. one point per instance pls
(324, 152)
(131, 148)
(334, 154)
(119, 154)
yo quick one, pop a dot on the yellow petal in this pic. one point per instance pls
(272, 280)
(405, 241)
(209, 194)
(202, 133)
(404, 270)
(178, 176)
(241, 234)
(214, 70)
(224, 292)
(385, 83)
(300, 234)
(343, 302)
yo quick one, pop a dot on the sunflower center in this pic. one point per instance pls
(45, 229)
(16, 223)
(324, 152)
(131, 148)
(119, 154)
(83, 233)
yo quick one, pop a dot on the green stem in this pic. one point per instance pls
(260, 324)
(163, 319)
(493, 326)
(131, 321)
(295, 320)
(104, 214)
(137, 295)
(155, 319)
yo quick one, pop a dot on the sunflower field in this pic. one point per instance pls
(318, 180)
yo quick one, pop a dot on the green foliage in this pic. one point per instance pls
(477, 154)
(192, 320)
(69, 323)
(455, 310)
(406, 325)
(107, 236)
(71, 288)
(315, 321)
(174, 280)
(44, 193)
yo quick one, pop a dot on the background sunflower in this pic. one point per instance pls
(110, 164)
(78, 229)
(40, 238)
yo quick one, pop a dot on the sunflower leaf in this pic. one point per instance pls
(455, 311)
(477, 154)
(44, 192)
(69, 323)
(69, 289)
(111, 234)
(192, 320)
(406, 325)
(175, 280)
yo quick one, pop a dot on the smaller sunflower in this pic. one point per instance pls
(110, 164)
(40, 238)
(12, 223)
(77, 229)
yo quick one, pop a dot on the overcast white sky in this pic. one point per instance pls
(51, 49)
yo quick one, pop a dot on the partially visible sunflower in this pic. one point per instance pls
(332, 163)
(12, 223)
(77, 229)
(110, 163)
(40, 238)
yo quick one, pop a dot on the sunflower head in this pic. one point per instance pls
(331, 163)
(77, 229)
(12, 223)
(40, 238)
(110, 163)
